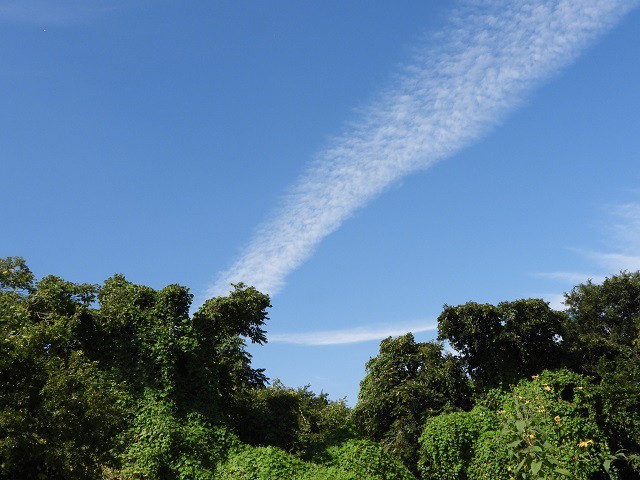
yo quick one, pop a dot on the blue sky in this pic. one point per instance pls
(194, 142)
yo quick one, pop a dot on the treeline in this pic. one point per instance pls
(119, 381)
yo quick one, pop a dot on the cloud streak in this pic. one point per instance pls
(570, 277)
(350, 335)
(626, 232)
(477, 70)
(624, 253)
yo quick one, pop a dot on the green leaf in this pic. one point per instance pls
(563, 471)
(536, 466)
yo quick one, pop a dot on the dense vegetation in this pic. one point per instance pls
(120, 381)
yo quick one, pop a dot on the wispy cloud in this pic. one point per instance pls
(58, 13)
(570, 277)
(624, 253)
(615, 262)
(452, 93)
(350, 335)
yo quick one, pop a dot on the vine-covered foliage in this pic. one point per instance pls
(350, 460)
(366, 459)
(272, 463)
(120, 377)
(550, 429)
(120, 381)
(295, 420)
(405, 384)
(448, 440)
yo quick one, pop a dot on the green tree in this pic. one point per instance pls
(59, 413)
(405, 384)
(130, 384)
(501, 344)
(617, 399)
(603, 340)
(295, 420)
(603, 320)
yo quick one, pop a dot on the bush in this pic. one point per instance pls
(271, 463)
(549, 427)
(160, 444)
(448, 440)
(490, 458)
(364, 459)
(295, 420)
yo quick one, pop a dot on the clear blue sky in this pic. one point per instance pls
(152, 138)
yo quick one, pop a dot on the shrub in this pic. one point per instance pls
(295, 420)
(272, 463)
(364, 459)
(490, 458)
(161, 444)
(549, 427)
(447, 442)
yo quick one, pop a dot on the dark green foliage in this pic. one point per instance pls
(501, 344)
(603, 320)
(271, 417)
(120, 381)
(296, 420)
(133, 385)
(448, 440)
(59, 413)
(617, 398)
(603, 340)
(405, 384)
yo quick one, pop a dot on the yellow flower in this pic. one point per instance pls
(534, 376)
(500, 412)
(541, 409)
(556, 419)
(585, 443)
(531, 435)
(578, 388)
(547, 387)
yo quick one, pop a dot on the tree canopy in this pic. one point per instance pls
(120, 381)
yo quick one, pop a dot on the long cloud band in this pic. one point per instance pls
(451, 94)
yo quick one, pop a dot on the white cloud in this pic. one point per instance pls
(570, 277)
(614, 262)
(350, 335)
(489, 56)
(623, 255)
